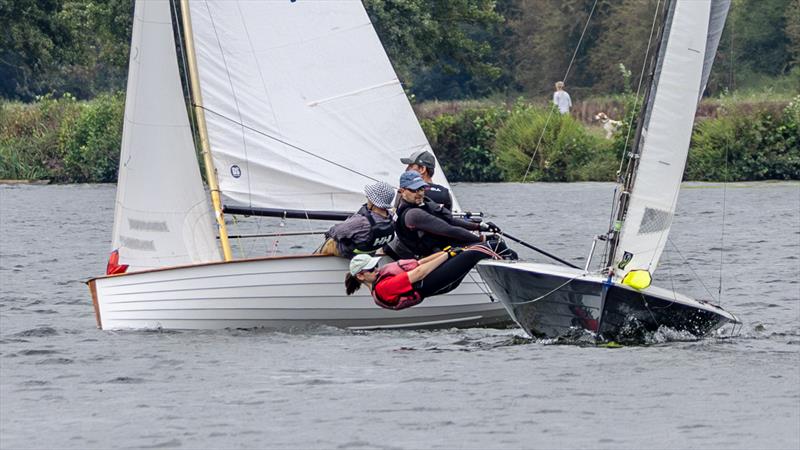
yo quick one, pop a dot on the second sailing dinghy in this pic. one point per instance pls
(297, 108)
(616, 303)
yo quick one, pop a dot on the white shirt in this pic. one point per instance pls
(562, 100)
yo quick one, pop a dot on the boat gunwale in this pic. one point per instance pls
(90, 281)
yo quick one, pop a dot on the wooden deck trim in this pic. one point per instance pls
(213, 263)
(93, 289)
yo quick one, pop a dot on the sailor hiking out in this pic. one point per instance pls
(367, 230)
(405, 283)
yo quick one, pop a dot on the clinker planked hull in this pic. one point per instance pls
(279, 293)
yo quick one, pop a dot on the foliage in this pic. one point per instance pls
(738, 146)
(90, 141)
(542, 145)
(58, 46)
(451, 49)
(443, 42)
(29, 138)
(464, 141)
(62, 139)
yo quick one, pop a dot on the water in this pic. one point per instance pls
(65, 384)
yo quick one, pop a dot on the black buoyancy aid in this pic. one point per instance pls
(439, 194)
(404, 300)
(418, 241)
(380, 233)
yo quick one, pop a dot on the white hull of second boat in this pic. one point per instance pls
(279, 293)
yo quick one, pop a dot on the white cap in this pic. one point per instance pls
(360, 263)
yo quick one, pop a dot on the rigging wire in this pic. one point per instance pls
(726, 179)
(639, 85)
(566, 75)
(686, 262)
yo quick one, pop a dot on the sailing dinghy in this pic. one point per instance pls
(297, 107)
(616, 303)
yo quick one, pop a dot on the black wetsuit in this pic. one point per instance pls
(428, 228)
(440, 195)
(450, 274)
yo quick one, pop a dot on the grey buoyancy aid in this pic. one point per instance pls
(380, 233)
(404, 300)
(419, 242)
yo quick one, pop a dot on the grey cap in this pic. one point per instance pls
(421, 158)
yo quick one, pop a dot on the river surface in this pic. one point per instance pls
(66, 384)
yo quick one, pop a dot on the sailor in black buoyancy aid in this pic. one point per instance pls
(367, 230)
(425, 163)
(424, 227)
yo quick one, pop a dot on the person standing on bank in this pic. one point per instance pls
(408, 282)
(367, 230)
(422, 229)
(425, 163)
(561, 98)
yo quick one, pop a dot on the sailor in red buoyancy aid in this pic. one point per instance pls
(407, 282)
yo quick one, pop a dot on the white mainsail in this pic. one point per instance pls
(162, 215)
(302, 104)
(689, 45)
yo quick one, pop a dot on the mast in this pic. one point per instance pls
(629, 177)
(197, 106)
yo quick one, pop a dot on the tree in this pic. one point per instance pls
(33, 40)
(792, 17)
(446, 43)
(76, 46)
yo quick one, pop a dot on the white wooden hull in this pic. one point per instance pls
(282, 292)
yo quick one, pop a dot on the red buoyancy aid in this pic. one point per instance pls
(402, 301)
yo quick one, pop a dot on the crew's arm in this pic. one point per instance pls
(420, 220)
(428, 258)
(427, 267)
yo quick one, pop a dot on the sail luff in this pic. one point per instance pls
(202, 130)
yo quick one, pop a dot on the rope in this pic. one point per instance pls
(566, 75)
(239, 240)
(552, 291)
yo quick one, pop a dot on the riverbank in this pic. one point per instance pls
(736, 138)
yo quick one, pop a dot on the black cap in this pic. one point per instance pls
(421, 158)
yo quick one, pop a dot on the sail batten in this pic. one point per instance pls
(307, 108)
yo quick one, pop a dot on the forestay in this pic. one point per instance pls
(302, 104)
(689, 45)
(162, 215)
